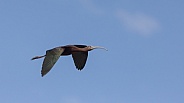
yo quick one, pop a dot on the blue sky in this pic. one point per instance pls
(144, 64)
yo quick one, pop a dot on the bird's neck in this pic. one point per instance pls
(76, 49)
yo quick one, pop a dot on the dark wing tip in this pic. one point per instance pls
(42, 74)
(80, 68)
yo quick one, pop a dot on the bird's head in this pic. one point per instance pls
(95, 47)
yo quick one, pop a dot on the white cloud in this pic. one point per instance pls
(138, 22)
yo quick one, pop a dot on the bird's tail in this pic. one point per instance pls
(37, 57)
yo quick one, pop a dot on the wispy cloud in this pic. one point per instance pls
(88, 4)
(138, 22)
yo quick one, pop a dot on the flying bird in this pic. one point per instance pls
(79, 54)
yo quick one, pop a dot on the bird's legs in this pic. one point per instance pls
(37, 57)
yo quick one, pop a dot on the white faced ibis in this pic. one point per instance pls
(79, 54)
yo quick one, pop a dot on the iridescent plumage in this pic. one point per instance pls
(79, 54)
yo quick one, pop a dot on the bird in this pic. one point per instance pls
(79, 54)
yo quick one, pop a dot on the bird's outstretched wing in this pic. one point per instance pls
(80, 59)
(51, 58)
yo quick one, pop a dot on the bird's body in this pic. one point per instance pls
(78, 52)
(73, 48)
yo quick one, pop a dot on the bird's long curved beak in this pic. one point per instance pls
(99, 47)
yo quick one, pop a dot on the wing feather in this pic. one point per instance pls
(51, 58)
(80, 59)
